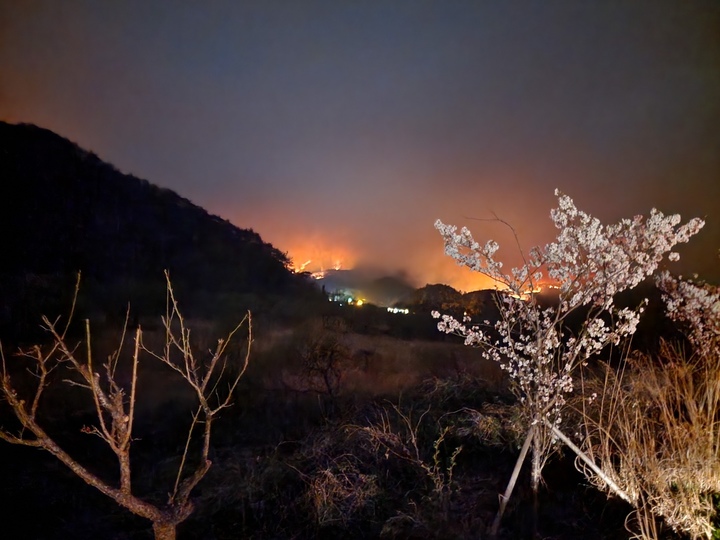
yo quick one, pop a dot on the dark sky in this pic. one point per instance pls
(341, 130)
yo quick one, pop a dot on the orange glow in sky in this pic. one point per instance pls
(465, 280)
(481, 112)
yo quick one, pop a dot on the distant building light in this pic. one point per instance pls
(398, 310)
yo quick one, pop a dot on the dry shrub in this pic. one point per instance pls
(340, 491)
(478, 409)
(655, 431)
(427, 449)
(494, 424)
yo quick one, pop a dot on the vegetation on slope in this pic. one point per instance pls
(65, 210)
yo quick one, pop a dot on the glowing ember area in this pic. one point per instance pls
(525, 295)
(317, 258)
(464, 280)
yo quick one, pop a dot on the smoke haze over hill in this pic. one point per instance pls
(341, 131)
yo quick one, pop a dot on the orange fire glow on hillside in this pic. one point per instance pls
(318, 258)
(465, 280)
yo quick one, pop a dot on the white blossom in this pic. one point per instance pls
(589, 263)
(694, 305)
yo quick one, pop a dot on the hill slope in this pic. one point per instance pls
(64, 210)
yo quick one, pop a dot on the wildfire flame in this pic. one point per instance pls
(320, 257)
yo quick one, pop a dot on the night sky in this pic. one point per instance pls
(341, 130)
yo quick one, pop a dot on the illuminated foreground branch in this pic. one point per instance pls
(114, 408)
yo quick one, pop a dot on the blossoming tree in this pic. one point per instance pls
(535, 344)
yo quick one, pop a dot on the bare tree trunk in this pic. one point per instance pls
(164, 531)
(535, 476)
(504, 498)
(590, 463)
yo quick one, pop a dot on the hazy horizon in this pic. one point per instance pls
(341, 131)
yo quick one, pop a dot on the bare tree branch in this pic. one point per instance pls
(115, 406)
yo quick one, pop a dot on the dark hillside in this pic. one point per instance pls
(65, 210)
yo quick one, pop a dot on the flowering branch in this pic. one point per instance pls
(588, 263)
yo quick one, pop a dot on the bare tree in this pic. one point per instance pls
(212, 381)
(321, 353)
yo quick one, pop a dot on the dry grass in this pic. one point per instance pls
(655, 430)
(399, 434)
(340, 491)
(369, 366)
